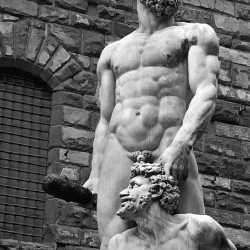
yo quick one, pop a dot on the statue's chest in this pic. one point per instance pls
(149, 52)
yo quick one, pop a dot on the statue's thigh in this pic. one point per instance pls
(114, 177)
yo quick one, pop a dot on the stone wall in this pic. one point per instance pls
(61, 40)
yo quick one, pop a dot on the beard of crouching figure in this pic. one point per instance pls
(149, 188)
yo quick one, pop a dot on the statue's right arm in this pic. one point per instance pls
(107, 102)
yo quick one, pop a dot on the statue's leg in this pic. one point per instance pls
(114, 177)
(191, 191)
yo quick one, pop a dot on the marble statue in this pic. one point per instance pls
(150, 200)
(158, 88)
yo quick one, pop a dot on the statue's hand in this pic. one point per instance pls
(92, 184)
(175, 163)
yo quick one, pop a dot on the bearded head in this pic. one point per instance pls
(163, 8)
(148, 184)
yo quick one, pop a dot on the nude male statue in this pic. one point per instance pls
(149, 200)
(158, 87)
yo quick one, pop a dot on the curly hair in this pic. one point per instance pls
(163, 187)
(163, 8)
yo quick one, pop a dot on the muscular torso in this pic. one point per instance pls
(187, 233)
(152, 91)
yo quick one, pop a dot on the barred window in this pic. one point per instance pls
(25, 105)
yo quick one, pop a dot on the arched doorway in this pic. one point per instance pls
(25, 105)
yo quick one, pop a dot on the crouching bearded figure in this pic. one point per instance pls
(150, 200)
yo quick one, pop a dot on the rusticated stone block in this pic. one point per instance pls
(246, 151)
(70, 69)
(233, 95)
(69, 156)
(241, 45)
(232, 168)
(63, 115)
(225, 77)
(225, 6)
(89, 238)
(241, 76)
(81, 20)
(231, 55)
(122, 30)
(221, 200)
(232, 131)
(222, 184)
(102, 25)
(47, 50)
(71, 138)
(68, 37)
(186, 14)
(91, 102)
(122, 4)
(35, 42)
(193, 2)
(207, 4)
(239, 237)
(70, 171)
(7, 38)
(224, 217)
(232, 149)
(92, 43)
(95, 120)
(57, 61)
(225, 40)
(238, 202)
(242, 11)
(76, 5)
(242, 171)
(84, 83)
(213, 145)
(8, 18)
(244, 30)
(67, 98)
(225, 24)
(77, 216)
(53, 210)
(241, 187)
(83, 60)
(94, 63)
(208, 164)
(209, 197)
(207, 181)
(245, 116)
(61, 234)
(8, 244)
(246, 222)
(111, 13)
(21, 36)
(20, 7)
(54, 14)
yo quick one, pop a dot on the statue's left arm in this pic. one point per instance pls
(203, 72)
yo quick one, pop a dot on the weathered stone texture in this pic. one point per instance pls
(77, 5)
(69, 156)
(53, 14)
(7, 38)
(77, 216)
(64, 115)
(68, 37)
(20, 7)
(71, 138)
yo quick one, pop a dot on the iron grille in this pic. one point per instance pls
(24, 133)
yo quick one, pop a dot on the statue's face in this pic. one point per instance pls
(164, 8)
(135, 198)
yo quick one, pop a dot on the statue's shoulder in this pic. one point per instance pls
(106, 55)
(206, 230)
